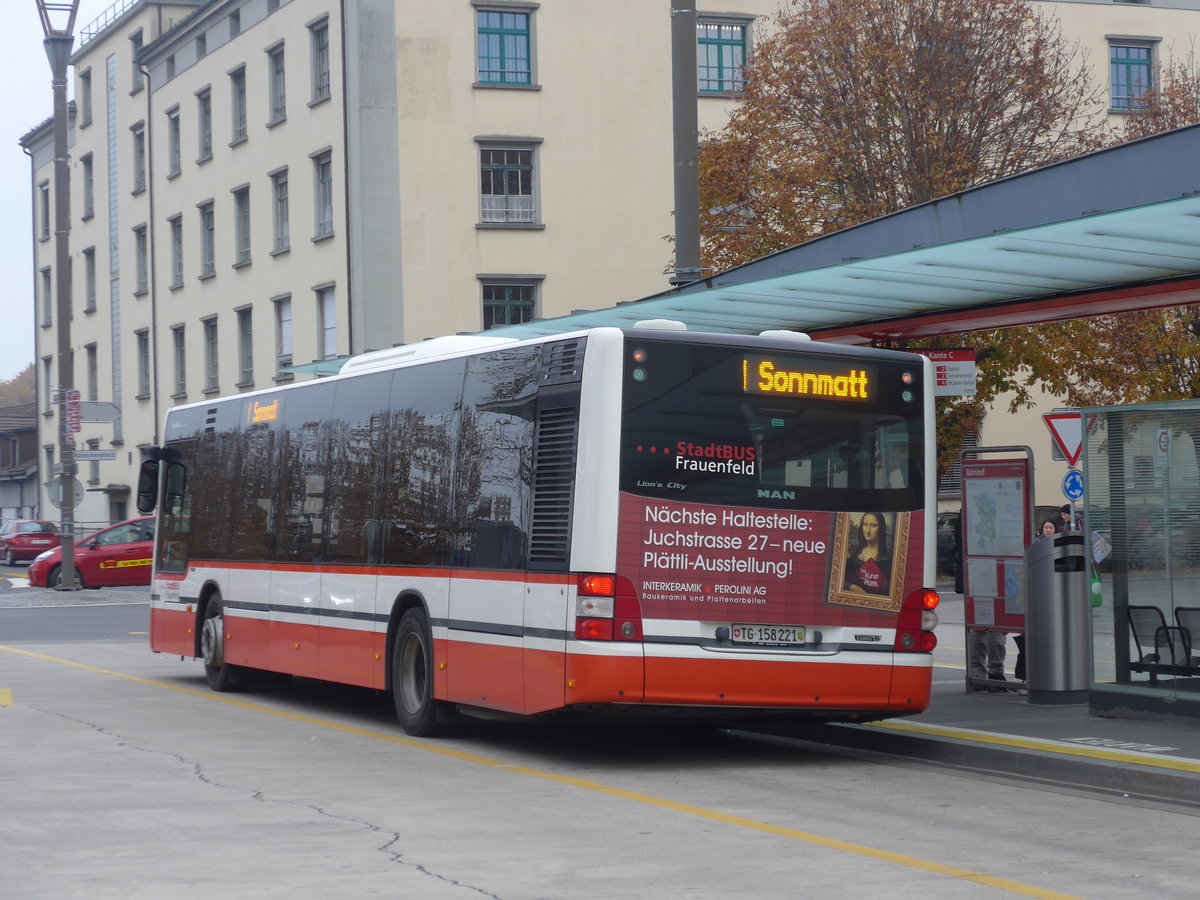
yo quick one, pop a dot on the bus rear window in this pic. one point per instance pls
(815, 431)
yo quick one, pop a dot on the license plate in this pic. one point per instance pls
(39, 542)
(768, 635)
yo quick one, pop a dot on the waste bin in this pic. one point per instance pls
(1057, 625)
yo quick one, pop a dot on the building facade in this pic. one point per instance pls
(262, 187)
(18, 461)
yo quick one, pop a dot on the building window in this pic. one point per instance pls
(48, 392)
(174, 153)
(135, 41)
(93, 465)
(326, 323)
(170, 65)
(143, 363)
(720, 55)
(47, 297)
(277, 85)
(502, 47)
(208, 243)
(180, 362)
(237, 98)
(142, 250)
(506, 175)
(93, 373)
(44, 210)
(508, 302)
(1131, 75)
(283, 332)
(204, 124)
(176, 224)
(201, 46)
(245, 348)
(89, 280)
(279, 202)
(211, 380)
(85, 98)
(139, 157)
(323, 194)
(320, 61)
(241, 230)
(235, 23)
(89, 186)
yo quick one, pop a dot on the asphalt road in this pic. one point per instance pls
(61, 624)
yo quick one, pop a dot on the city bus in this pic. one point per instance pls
(641, 520)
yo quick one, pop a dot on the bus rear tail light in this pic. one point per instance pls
(914, 630)
(607, 609)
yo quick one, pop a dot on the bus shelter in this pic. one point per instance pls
(1143, 507)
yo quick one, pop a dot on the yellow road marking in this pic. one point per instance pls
(987, 737)
(5, 697)
(807, 837)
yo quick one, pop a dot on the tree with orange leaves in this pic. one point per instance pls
(859, 108)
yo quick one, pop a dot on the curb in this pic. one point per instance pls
(1173, 780)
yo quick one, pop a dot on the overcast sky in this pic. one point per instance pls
(28, 100)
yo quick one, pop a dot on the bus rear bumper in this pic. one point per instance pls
(884, 684)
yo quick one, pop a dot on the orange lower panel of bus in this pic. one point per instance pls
(173, 631)
(800, 684)
(526, 681)
(741, 682)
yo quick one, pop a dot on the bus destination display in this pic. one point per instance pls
(769, 375)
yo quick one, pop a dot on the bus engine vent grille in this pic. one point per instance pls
(554, 467)
(562, 362)
(210, 421)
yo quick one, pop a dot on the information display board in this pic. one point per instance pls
(996, 530)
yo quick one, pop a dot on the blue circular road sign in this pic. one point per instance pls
(1073, 485)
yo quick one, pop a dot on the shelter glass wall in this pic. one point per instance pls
(1142, 516)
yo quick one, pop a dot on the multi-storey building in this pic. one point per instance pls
(260, 187)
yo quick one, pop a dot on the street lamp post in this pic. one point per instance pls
(684, 133)
(58, 23)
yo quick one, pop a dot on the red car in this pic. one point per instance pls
(26, 538)
(119, 555)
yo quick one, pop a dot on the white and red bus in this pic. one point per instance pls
(615, 519)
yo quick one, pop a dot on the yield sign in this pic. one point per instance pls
(1067, 431)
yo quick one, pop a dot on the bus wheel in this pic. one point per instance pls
(412, 675)
(220, 674)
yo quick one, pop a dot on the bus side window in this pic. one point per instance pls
(175, 487)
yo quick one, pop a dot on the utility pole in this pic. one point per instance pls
(58, 23)
(685, 130)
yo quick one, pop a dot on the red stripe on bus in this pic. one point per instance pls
(407, 571)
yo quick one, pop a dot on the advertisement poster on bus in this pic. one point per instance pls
(691, 560)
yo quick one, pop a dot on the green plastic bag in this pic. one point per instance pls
(1097, 590)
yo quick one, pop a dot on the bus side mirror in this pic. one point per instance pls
(147, 488)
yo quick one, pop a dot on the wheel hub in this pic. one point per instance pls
(211, 640)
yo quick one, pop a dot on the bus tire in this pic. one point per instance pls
(412, 675)
(221, 675)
